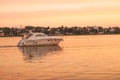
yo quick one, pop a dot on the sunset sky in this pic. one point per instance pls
(55, 13)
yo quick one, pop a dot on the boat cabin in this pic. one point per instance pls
(29, 35)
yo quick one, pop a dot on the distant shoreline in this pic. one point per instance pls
(70, 35)
(60, 31)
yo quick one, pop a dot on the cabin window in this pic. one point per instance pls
(39, 35)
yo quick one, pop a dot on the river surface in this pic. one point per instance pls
(94, 57)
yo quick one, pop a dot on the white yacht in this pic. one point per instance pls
(39, 39)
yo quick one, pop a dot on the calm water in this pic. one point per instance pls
(76, 58)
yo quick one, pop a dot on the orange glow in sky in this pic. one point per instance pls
(60, 12)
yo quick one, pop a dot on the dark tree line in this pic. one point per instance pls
(62, 30)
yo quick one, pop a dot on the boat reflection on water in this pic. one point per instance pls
(35, 54)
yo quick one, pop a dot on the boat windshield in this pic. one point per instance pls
(40, 35)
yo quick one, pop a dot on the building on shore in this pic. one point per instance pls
(1, 33)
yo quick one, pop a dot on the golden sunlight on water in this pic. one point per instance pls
(95, 57)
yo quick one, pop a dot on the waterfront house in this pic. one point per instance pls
(1, 33)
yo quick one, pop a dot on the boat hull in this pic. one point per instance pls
(38, 42)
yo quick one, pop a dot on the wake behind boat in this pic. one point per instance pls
(39, 39)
